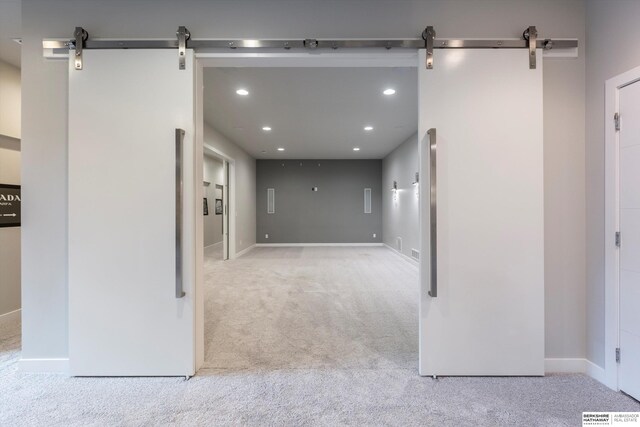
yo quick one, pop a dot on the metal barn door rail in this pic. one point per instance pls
(428, 41)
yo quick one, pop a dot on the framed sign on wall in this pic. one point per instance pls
(9, 205)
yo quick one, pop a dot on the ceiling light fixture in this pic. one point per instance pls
(266, 128)
(280, 149)
(356, 149)
(368, 128)
(389, 91)
(242, 92)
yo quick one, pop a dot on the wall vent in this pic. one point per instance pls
(367, 200)
(415, 254)
(399, 243)
(271, 200)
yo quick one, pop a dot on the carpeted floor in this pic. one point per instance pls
(302, 336)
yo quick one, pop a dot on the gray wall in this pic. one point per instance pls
(245, 181)
(400, 217)
(213, 173)
(612, 48)
(333, 214)
(44, 99)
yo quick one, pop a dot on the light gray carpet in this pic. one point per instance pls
(315, 337)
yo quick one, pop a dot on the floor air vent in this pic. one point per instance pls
(415, 254)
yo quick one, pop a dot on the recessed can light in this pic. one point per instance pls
(368, 128)
(266, 128)
(280, 149)
(242, 92)
(389, 91)
(356, 149)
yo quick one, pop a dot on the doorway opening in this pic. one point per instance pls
(327, 172)
(215, 207)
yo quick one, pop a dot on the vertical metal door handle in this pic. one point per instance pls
(433, 212)
(179, 188)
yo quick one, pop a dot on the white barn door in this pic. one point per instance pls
(488, 315)
(125, 317)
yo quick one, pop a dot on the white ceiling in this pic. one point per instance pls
(10, 28)
(314, 113)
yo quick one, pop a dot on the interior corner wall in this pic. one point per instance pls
(400, 212)
(612, 49)
(334, 213)
(245, 180)
(213, 173)
(44, 134)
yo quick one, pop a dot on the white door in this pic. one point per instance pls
(629, 155)
(488, 315)
(125, 317)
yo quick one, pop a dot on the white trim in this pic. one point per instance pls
(284, 245)
(611, 224)
(410, 260)
(244, 251)
(214, 244)
(565, 365)
(44, 366)
(595, 372)
(574, 366)
(12, 316)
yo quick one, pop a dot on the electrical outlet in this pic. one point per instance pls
(374, 235)
(266, 236)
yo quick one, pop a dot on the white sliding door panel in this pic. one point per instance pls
(124, 316)
(488, 316)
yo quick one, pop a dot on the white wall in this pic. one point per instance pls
(45, 138)
(245, 191)
(9, 174)
(612, 48)
(213, 173)
(400, 217)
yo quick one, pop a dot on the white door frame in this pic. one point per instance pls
(230, 196)
(612, 224)
(352, 58)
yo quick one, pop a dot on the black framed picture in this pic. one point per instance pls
(206, 206)
(10, 201)
(218, 206)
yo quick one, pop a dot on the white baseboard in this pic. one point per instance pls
(245, 250)
(214, 244)
(574, 366)
(12, 316)
(410, 260)
(44, 366)
(595, 372)
(283, 245)
(565, 365)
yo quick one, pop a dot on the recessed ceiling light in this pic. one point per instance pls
(367, 128)
(266, 128)
(280, 149)
(356, 149)
(242, 92)
(389, 91)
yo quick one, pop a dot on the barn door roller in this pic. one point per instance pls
(529, 41)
